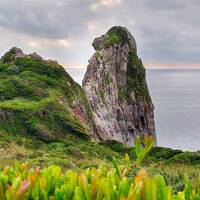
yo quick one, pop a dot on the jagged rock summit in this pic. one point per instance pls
(116, 88)
(16, 52)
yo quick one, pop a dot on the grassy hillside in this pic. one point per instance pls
(75, 153)
(45, 119)
(91, 167)
(39, 98)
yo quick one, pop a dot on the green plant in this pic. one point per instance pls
(19, 182)
(116, 35)
(140, 151)
(103, 183)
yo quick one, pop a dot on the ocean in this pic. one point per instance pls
(176, 97)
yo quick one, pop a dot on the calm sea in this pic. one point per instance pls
(176, 97)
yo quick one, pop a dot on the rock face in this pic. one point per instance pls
(12, 54)
(15, 53)
(116, 88)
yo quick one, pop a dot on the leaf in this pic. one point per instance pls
(188, 188)
(22, 189)
(127, 159)
(142, 153)
(137, 145)
(116, 166)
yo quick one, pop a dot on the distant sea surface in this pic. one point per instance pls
(176, 97)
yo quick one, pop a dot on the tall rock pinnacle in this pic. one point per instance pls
(116, 88)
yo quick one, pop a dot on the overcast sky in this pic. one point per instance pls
(167, 32)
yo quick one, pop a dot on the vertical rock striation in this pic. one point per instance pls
(116, 88)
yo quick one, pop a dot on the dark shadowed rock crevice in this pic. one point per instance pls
(115, 85)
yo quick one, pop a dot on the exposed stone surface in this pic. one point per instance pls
(12, 54)
(52, 61)
(16, 52)
(36, 56)
(116, 88)
(98, 42)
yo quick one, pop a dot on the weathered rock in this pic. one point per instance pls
(116, 88)
(98, 42)
(16, 52)
(52, 61)
(12, 54)
(36, 56)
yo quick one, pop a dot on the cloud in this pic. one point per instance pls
(64, 42)
(91, 26)
(111, 3)
(167, 32)
(104, 4)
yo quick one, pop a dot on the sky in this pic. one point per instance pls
(167, 32)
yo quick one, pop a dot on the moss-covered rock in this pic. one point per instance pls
(116, 35)
(136, 79)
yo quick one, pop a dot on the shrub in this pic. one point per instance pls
(19, 182)
(107, 183)
(187, 158)
(160, 153)
(116, 35)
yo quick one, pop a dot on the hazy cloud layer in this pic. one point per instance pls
(166, 31)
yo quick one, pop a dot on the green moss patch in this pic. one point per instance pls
(116, 35)
(136, 80)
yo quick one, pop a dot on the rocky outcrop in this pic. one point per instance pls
(16, 52)
(12, 54)
(116, 88)
(35, 56)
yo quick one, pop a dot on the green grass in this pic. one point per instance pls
(20, 103)
(105, 177)
(72, 151)
(38, 97)
(77, 153)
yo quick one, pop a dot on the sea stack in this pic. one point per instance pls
(115, 85)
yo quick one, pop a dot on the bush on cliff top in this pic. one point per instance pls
(116, 35)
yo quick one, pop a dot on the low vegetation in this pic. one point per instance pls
(124, 181)
(116, 35)
(39, 127)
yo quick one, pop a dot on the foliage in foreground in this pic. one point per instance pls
(106, 183)
(101, 183)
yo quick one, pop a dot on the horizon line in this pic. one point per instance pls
(147, 66)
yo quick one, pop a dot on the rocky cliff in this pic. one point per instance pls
(39, 98)
(116, 88)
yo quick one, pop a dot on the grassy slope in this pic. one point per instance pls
(75, 153)
(31, 92)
